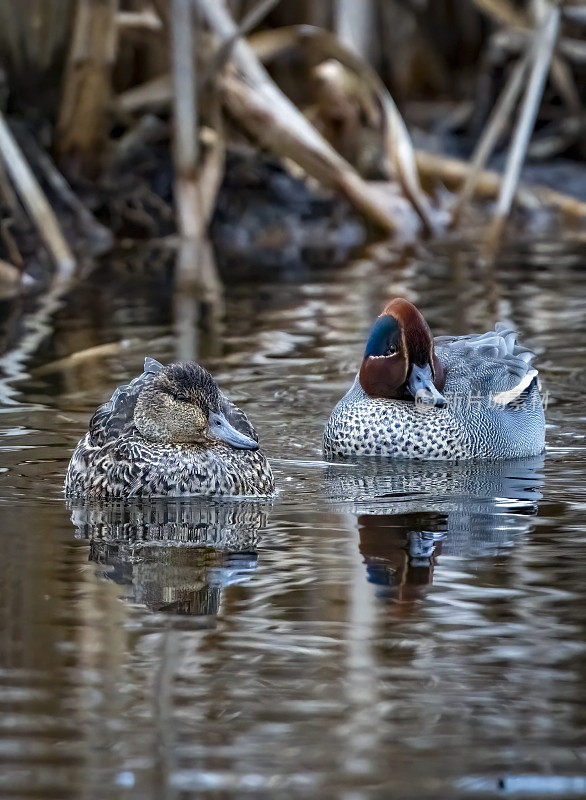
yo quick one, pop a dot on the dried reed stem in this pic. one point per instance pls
(185, 145)
(250, 20)
(277, 123)
(355, 23)
(453, 172)
(100, 237)
(82, 128)
(494, 128)
(397, 141)
(542, 55)
(35, 201)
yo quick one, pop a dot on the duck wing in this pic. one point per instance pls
(116, 417)
(492, 364)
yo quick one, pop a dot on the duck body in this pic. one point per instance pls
(131, 467)
(142, 441)
(481, 400)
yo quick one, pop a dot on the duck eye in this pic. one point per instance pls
(391, 350)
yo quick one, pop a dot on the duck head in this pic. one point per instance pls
(182, 405)
(399, 361)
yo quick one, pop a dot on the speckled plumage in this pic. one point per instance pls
(494, 408)
(115, 460)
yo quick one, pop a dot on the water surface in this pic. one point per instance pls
(387, 630)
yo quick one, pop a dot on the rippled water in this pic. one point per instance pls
(407, 631)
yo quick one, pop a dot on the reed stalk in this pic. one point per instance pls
(82, 128)
(542, 56)
(396, 140)
(275, 121)
(32, 197)
(491, 134)
(185, 135)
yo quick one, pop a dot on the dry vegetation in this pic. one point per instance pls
(94, 88)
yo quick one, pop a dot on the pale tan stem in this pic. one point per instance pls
(197, 181)
(185, 100)
(355, 24)
(82, 127)
(253, 18)
(274, 131)
(493, 130)
(503, 12)
(185, 144)
(150, 94)
(146, 20)
(34, 200)
(396, 139)
(452, 172)
(543, 52)
(270, 116)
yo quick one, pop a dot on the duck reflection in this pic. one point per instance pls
(408, 514)
(173, 555)
(399, 558)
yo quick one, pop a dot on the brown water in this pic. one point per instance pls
(382, 631)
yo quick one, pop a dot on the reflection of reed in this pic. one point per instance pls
(198, 302)
(173, 555)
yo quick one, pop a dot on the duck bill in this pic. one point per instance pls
(421, 387)
(221, 429)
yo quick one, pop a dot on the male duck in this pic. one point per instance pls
(169, 432)
(453, 397)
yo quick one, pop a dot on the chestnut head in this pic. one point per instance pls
(399, 360)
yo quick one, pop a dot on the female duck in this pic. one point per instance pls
(456, 397)
(169, 432)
